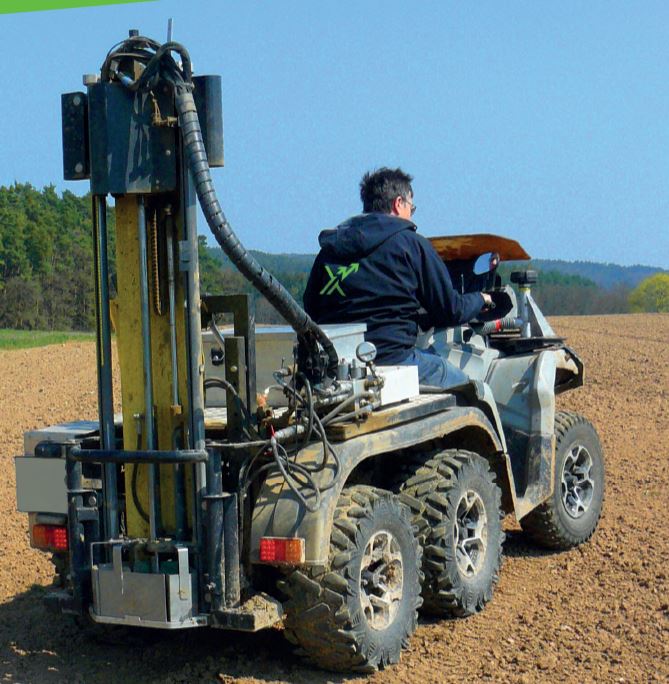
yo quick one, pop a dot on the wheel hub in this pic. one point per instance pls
(381, 580)
(470, 533)
(577, 485)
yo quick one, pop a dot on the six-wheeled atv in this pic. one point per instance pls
(285, 476)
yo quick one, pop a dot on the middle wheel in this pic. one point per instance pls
(458, 512)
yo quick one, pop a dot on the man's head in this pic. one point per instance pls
(387, 191)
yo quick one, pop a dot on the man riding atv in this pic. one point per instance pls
(377, 269)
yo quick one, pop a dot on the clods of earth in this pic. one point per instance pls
(598, 613)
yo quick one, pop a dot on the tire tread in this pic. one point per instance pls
(319, 618)
(543, 524)
(430, 486)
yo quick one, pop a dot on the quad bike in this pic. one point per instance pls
(337, 497)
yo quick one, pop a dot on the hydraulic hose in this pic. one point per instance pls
(257, 275)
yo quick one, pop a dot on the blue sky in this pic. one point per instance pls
(547, 122)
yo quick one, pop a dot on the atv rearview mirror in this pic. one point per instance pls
(486, 263)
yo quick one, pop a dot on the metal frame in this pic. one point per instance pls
(242, 308)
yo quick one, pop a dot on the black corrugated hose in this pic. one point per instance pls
(260, 277)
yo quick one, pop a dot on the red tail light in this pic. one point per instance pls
(284, 550)
(49, 537)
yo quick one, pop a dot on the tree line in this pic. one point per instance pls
(46, 264)
(46, 269)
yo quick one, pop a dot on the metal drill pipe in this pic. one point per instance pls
(104, 361)
(172, 308)
(146, 350)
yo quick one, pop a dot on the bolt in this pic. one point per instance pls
(78, 167)
(92, 501)
(76, 100)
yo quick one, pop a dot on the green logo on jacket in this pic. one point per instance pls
(336, 275)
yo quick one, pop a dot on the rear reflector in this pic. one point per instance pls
(288, 550)
(49, 537)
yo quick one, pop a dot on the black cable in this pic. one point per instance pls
(245, 478)
(320, 429)
(285, 466)
(228, 386)
(310, 410)
(133, 485)
(290, 471)
(159, 63)
(499, 325)
(328, 448)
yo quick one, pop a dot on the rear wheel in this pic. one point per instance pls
(570, 516)
(360, 612)
(458, 513)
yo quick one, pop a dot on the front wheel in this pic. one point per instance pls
(360, 612)
(570, 516)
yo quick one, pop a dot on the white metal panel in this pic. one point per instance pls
(40, 485)
(401, 383)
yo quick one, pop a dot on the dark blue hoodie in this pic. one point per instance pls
(375, 268)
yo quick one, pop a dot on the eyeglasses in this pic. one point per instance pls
(411, 204)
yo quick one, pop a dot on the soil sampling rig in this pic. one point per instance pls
(343, 500)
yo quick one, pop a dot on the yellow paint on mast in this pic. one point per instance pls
(168, 422)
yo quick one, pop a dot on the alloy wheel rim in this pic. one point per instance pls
(381, 580)
(577, 486)
(470, 533)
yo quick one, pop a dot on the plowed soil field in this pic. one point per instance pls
(599, 613)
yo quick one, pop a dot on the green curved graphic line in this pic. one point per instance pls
(14, 6)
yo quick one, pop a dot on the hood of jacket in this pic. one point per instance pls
(360, 235)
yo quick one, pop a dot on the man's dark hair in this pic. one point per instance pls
(378, 189)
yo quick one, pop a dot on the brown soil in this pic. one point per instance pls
(599, 613)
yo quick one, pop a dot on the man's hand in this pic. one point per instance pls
(487, 299)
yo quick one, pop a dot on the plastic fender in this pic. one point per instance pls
(278, 512)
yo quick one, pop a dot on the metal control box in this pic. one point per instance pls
(40, 480)
(274, 346)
